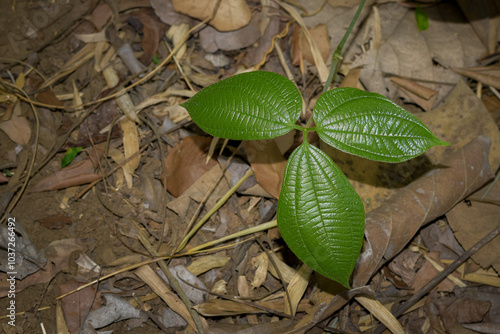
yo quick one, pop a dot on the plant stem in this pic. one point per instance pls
(337, 55)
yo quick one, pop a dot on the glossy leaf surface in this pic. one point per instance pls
(370, 126)
(320, 216)
(255, 105)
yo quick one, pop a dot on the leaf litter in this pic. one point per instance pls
(421, 215)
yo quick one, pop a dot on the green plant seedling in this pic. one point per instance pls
(421, 18)
(320, 216)
(71, 153)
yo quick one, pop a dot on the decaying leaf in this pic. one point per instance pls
(219, 307)
(55, 221)
(90, 130)
(186, 163)
(392, 225)
(483, 16)
(428, 272)
(268, 164)
(47, 96)
(152, 29)
(198, 190)
(212, 40)
(205, 263)
(231, 14)
(296, 288)
(164, 292)
(130, 147)
(17, 127)
(78, 173)
(473, 222)
(28, 258)
(403, 50)
(58, 254)
(421, 95)
(260, 263)
(76, 305)
(463, 311)
(301, 48)
(488, 75)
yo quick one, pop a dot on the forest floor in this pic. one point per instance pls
(106, 181)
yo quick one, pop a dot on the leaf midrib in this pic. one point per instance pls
(333, 187)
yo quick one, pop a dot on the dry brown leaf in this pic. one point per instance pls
(58, 255)
(318, 60)
(439, 237)
(428, 272)
(463, 311)
(255, 54)
(231, 14)
(212, 40)
(152, 31)
(47, 96)
(473, 222)
(221, 307)
(55, 221)
(352, 79)
(205, 263)
(79, 172)
(198, 190)
(101, 15)
(461, 118)
(154, 281)
(301, 47)
(76, 174)
(421, 95)
(410, 96)
(484, 17)
(268, 164)
(165, 11)
(76, 305)
(407, 52)
(261, 264)
(17, 127)
(130, 147)
(245, 291)
(392, 225)
(296, 288)
(287, 272)
(90, 130)
(414, 87)
(405, 265)
(488, 75)
(185, 163)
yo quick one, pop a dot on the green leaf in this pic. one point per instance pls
(155, 59)
(422, 19)
(70, 155)
(255, 105)
(320, 216)
(371, 126)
